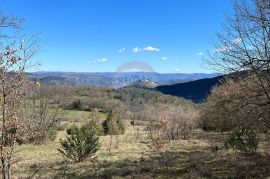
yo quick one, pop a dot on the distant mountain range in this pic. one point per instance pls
(116, 79)
(196, 91)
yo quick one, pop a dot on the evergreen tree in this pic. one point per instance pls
(81, 143)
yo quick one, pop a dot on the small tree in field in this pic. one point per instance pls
(95, 123)
(80, 144)
(113, 125)
(15, 55)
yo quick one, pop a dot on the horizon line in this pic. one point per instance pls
(123, 72)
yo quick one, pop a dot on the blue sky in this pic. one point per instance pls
(99, 35)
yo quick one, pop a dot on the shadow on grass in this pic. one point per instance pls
(194, 164)
(197, 162)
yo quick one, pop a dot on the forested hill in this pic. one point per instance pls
(196, 91)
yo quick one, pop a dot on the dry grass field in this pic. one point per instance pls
(131, 156)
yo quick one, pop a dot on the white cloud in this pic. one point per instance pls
(136, 49)
(121, 50)
(164, 58)
(151, 49)
(145, 49)
(102, 60)
(200, 53)
(176, 69)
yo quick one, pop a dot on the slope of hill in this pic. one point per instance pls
(115, 79)
(196, 91)
(146, 84)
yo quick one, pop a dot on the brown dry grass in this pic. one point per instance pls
(133, 157)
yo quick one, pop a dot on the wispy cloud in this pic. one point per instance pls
(151, 49)
(145, 49)
(176, 69)
(136, 50)
(164, 58)
(121, 50)
(200, 53)
(102, 60)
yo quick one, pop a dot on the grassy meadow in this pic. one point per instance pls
(131, 156)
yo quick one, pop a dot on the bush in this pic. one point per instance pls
(113, 125)
(157, 135)
(81, 143)
(232, 108)
(95, 122)
(95, 127)
(40, 119)
(176, 122)
(52, 135)
(244, 140)
(76, 105)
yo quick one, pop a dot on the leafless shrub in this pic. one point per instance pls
(40, 119)
(234, 107)
(169, 122)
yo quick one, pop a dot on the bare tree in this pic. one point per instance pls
(244, 43)
(234, 108)
(243, 48)
(40, 117)
(15, 55)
